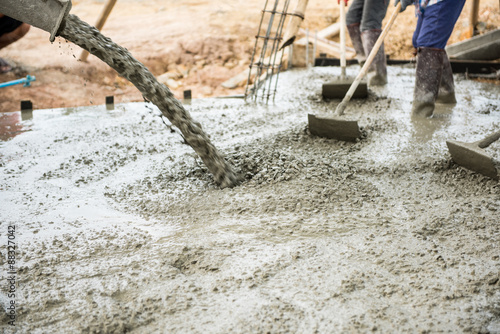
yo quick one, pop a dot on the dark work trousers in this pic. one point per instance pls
(8, 24)
(435, 25)
(368, 13)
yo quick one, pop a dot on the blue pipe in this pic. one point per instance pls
(25, 81)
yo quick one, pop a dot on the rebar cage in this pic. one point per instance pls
(267, 59)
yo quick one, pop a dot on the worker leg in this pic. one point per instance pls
(353, 21)
(371, 24)
(355, 12)
(357, 43)
(447, 87)
(435, 25)
(428, 78)
(373, 14)
(11, 30)
(434, 76)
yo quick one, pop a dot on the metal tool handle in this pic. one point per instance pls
(341, 107)
(489, 140)
(342, 40)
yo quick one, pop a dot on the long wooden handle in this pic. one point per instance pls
(474, 12)
(341, 107)
(342, 39)
(100, 23)
(489, 140)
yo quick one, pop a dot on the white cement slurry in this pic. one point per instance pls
(121, 229)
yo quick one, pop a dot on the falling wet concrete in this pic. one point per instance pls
(121, 228)
(117, 57)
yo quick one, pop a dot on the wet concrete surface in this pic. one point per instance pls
(121, 228)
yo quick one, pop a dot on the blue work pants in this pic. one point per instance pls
(435, 25)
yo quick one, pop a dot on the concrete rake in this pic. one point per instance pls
(336, 127)
(473, 157)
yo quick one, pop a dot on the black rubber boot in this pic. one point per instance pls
(427, 81)
(377, 72)
(355, 35)
(447, 88)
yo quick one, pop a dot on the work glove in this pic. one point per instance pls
(345, 1)
(404, 4)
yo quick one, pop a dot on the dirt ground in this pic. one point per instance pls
(200, 44)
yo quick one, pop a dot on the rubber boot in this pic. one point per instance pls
(427, 81)
(357, 44)
(377, 72)
(447, 87)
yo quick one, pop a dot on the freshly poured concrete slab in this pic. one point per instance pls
(120, 226)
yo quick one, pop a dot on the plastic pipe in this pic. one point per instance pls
(25, 81)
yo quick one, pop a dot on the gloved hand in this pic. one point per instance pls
(345, 1)
(404, 3)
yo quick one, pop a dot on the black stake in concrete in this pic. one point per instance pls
(110, 102)
(26, 110)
